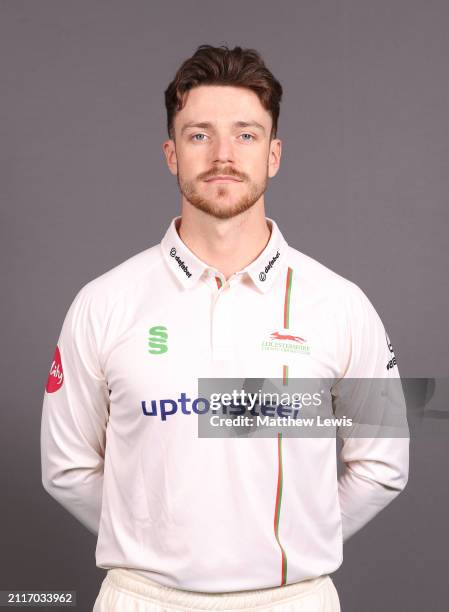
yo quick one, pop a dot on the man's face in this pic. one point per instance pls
(222, 154)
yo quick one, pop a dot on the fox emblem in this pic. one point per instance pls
(277, 336)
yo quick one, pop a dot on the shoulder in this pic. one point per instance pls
(103, 291)
(320, 279)
(336, 294)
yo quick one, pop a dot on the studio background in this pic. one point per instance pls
(363, 188)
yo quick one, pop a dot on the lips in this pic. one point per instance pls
(223, 178)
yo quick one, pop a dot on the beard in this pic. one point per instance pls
(218, 205)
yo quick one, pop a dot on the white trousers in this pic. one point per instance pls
(125, 591)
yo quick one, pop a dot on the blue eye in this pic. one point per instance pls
(200, 137)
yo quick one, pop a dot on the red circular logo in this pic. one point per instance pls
(56, 375)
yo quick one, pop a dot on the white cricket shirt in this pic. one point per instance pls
(119, 435)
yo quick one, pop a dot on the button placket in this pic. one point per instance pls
(220, 328)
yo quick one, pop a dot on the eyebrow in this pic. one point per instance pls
(208, 125)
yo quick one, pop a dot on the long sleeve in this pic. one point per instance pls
(74, 416)
(376, 467)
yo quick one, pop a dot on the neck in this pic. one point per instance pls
(226, 244)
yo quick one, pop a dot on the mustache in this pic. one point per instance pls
(223, 171)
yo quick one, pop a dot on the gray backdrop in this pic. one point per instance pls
(362, 188)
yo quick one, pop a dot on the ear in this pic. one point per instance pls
(169, 149)
(274, 157)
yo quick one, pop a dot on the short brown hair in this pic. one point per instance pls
(223, 66)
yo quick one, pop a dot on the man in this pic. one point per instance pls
(187, 522)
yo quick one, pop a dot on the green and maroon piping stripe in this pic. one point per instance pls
(277, 512)
(288, 287)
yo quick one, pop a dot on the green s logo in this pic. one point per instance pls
(157, 340)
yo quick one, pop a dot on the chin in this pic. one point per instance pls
(222, 211)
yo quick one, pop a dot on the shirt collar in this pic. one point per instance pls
(188, 268)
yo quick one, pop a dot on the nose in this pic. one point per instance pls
(222, 150)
